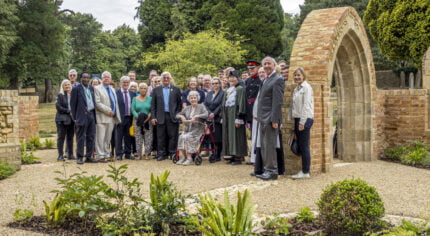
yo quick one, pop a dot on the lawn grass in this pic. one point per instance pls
(47, 118)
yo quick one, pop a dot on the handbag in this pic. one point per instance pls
(131, 130)
(294, 144)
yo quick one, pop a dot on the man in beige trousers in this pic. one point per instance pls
(107, 115)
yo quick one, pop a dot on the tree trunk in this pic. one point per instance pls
(14, 83)
(48, 89)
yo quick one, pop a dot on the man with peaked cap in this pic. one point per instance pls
(252, 85)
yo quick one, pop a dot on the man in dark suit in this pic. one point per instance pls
(166, 103)
(269, 115)
(83, 112)
(123, 138)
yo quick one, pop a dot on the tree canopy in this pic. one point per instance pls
(258, 21)
(401, 28)
(204, 52)
(8, 31)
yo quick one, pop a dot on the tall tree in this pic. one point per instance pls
(259, 21)
(130, 45)
(204, 52)
(83, 29)
(291, 26)
(40, 50)
(401, 28)
(8, 31)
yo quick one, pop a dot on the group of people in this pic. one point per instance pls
(138, 119)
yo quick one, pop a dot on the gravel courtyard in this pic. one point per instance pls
(404, 190)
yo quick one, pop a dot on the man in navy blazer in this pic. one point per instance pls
(123, 138)
(82, 106)
(166, 104)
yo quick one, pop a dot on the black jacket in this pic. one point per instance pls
(78, 103)
(157, 106)
(63, 113)
(121, 101)
(213, 105)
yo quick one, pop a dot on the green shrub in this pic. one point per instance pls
(6, 170)
(27, 157)
(227, 219)
(305, 215)
(166, 203)
(131, 216)
(278, 225)
(23, 215)
(49, 144)
(412, 154)
(407, 228)
(351, 207)
(34, 143)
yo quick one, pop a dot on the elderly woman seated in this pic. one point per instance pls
(193, 117)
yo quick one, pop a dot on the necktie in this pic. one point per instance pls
(127, 112)
(112, 102)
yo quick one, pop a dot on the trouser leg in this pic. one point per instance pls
(70, 131)
(161, 140)
(90, 136)
(269, 137)
(172, 134)
(61, 134)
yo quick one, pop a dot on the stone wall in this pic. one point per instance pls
(28, 115)
(9, 128)
(402, 116)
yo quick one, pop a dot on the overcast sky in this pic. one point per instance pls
(113, 13)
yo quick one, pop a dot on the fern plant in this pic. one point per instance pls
(227, 219)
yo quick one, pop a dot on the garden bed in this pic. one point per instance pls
(388, 159)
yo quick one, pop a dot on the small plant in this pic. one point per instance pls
(227, 219)
(49, 144)
(55, 211)
(411, 154)
(407, 228)
(166, 203)
(6, 170)
(34, 143)
(351, 207)
(131, 216)
(305, 215)
(277, 224)
(27, 157)
(23, 215)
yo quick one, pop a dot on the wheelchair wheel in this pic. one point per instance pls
(175, 158)
(198, 160)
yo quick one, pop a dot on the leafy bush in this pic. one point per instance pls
(411, 154)
(131, 216)
(407, 228)
(27, 157)
(34, 143)
(227, 219)
(166, 203)
(49, 144)
(305, 215)
(351, 207)
(6, 170)
(277, 224)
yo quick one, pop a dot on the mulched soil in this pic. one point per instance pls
(68, 228)
(387, 159)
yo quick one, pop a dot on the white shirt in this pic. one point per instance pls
(302, 104)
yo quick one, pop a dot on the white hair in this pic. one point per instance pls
(133, 84)
(207, 76)
(107, 73)
(166, 73)
(73, 71)
(124, 79)
(271, 58)
(62, 84)
(193, 93)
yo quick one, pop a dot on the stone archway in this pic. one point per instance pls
(333, 42)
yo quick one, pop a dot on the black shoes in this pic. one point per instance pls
(90, 160)
(250, 163)
(119, 158)
(236, 162)
(60, 158)
(161, 158)
(80, 161)
(71, 157)
(267, 176)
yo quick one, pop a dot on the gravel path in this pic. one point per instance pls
(404, 190)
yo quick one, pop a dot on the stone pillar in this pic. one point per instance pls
(426, 70)
(9, 128)
(402, 79)
(418, 79)
(411, 80)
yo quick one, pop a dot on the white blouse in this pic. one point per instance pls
(302, 104)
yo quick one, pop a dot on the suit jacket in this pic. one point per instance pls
(78, 104)
(270, 100)
(121, 101)
(157, 106)
(213, 105)
(63, 112)
(103, 106)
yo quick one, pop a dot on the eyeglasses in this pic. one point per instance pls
(73, 75)
(215, 83)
